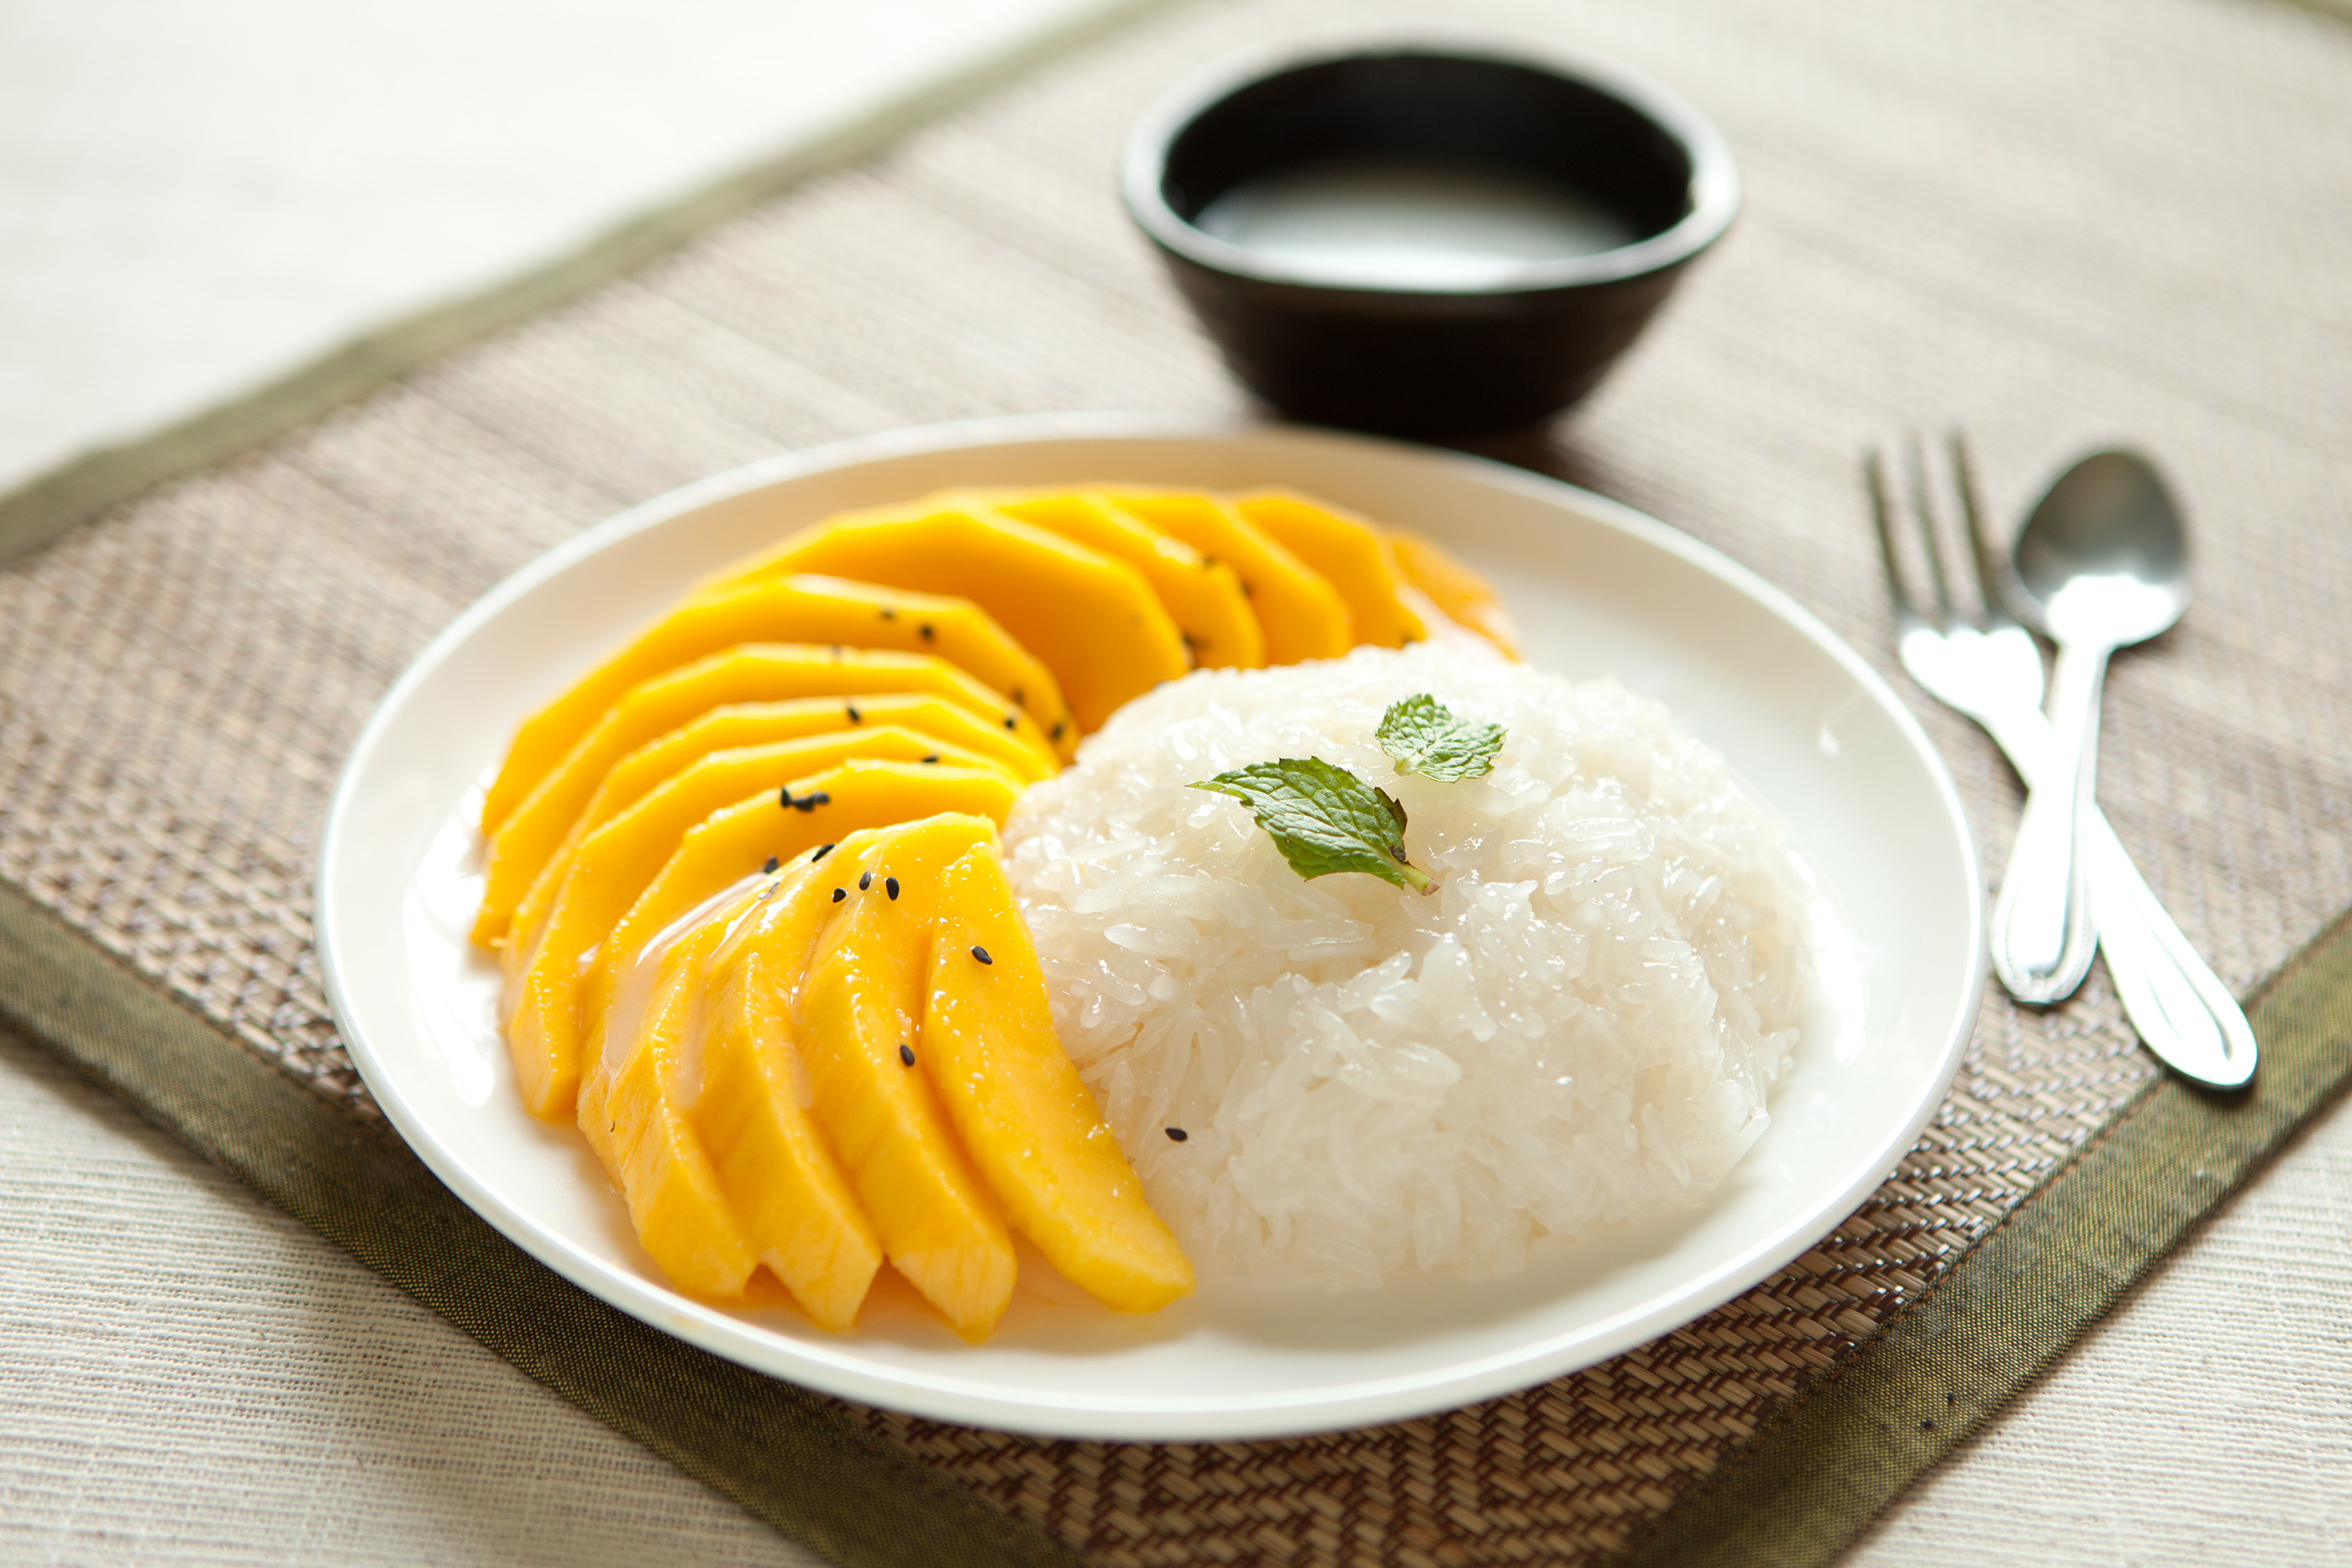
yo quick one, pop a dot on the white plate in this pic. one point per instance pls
(1597, 587)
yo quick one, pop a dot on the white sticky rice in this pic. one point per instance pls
(1580, 1027)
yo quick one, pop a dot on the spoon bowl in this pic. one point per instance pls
(2105, 554)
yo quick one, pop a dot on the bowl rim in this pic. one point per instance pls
(1713, 184)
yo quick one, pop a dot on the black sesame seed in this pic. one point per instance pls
(839, 894)
(785, 797)
(1059, 726)
(810, 802)
(981, 954)
(820, 854)
(865, 881)
(905, 1054)
(934, 757)
(1176, 1135)
(770, 869)
(889, 613)
(927, 633)
(1020, 698)
(1011, 721)
(855, 716)
(890, 886)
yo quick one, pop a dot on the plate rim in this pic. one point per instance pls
(1344, 1405)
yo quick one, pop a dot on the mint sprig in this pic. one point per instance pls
(1423, 736)
(1324, 819)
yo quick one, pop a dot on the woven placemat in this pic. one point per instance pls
(2043, 225)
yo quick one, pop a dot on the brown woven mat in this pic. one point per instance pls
(2046, 224)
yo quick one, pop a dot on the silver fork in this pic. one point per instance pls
(1987, 666)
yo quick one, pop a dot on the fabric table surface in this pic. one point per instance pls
(196, 195)
(2046, 226)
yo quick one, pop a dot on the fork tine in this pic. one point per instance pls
(1989, 566)
(1947, 608)
(1874, 470)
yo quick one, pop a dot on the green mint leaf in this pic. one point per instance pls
(1424, 737)
(1324, 819)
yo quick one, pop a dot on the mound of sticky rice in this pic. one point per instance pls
(1577, 1028)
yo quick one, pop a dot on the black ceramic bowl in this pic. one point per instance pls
(1427, 358)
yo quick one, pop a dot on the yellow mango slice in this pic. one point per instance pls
(757, 724)
(737, 842)
(618, 859)
(774, 1164)
(1353, 555)
(1094, 620)
(530, 846)
(818, 611)
(755, 673)
(632, 880)
(860, 1009)
(631, 1012)
(1460, 595)
(1300, 615)
(1029, 1125)
(640, 1131)
(1203, 597)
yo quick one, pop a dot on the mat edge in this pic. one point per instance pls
(53, 503)
(1808, 1484)
(357, 1185)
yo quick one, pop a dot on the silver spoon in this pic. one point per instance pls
(2102, 564)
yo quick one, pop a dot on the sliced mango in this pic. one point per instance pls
(1353, 556)
(757, 724)
(737, 842)
(1300, 615)
(632, 880)
(1028, 1124)
(1093, 620)
(1203, 597)
(859, 1010)
(755, 673)
(515, 890)
(617, 860)
(774, 1164)
(818, 611)
(1460, 595)
(639, 1128)
(871, 1071)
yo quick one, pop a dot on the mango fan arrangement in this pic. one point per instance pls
(743, 876)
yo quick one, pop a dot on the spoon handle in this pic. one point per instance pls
(2043, 932)
(2179, 1006)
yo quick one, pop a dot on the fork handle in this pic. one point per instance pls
(2176, 1003)
(2044, 935)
